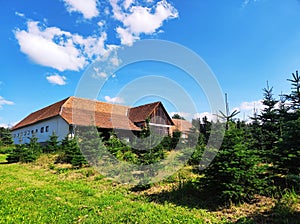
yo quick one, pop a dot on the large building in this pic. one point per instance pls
(62, 118)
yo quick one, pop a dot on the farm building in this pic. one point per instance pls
(62, 118)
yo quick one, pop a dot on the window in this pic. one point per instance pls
(32, 132)
(36, 130)
(14, 135)
(47, 128)
(42, 129)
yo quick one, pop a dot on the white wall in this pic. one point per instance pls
(55, 124)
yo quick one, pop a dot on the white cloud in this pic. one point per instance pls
(57, 79)
(113, 99)
(99, 74)
(137, 19)
(258, 105)
(126, 37)
(88, 8)
(210, 116)
(55, 48)
(246, 2)
(5, 102)
(127, 3)
(101, 23)
(185, 115)
(19, 14)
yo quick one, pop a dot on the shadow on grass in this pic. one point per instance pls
(187, 194)
(275, 216)
(192, 195)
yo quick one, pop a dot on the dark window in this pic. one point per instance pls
(36, 130)
(42, 129)
(32, 132)
(47, 128)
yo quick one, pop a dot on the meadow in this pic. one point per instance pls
(44, 192)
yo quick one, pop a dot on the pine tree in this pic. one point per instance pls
(270, 128)
(5, 136)
(72, 153)
(288, 150)
(91, 144)
(52, 145)
(234, 174)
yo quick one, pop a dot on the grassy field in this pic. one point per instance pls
(47, 193)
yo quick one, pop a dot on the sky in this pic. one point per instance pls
(46, 47)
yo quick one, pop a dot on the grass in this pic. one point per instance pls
(34, 194)
(45, 192)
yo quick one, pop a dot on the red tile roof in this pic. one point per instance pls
(42, 114)
(141, 113)
(80, 111)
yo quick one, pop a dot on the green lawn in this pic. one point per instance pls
(49, 193)
(32, 194)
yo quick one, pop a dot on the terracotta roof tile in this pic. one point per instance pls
(80, 111)
(42, 114)
(103, 115)
(141, 113)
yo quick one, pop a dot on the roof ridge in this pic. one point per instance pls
(96, 101)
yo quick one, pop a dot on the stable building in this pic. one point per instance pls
(62, 118)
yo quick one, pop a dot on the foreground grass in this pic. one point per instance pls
(31, 194)
(44, 192)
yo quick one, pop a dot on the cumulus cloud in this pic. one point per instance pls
(55, 48)
(88, 8)
(210, 116)
(99, 74)
(137, 19)
(126, 37)
(258, 105)
(185, 115)
(57, 79)
(114, 99)
(5, 102)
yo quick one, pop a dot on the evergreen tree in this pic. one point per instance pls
(5, 136)
(52, 145)
(234, 174)
(72, 153)
(288, 150)
(177, 116)
(91, 144)
(25, 153)
(294, 96)
(270, 129)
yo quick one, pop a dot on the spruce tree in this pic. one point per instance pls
(52, 145)
(5, 136)
(270, 129)
(234, 174)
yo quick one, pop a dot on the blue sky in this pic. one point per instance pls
(47, 45)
